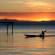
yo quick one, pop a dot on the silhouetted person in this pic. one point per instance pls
(42, 34)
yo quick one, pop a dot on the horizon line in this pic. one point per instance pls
(25, 20)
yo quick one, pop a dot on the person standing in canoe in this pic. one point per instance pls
(42, 35)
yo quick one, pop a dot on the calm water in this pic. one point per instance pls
(19, 45)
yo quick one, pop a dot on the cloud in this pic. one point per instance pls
(27, 5)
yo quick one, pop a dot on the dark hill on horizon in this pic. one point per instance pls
(18, 22)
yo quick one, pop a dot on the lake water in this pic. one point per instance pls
(19, 45)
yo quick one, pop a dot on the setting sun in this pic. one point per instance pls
(44, 19)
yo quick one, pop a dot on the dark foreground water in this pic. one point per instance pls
(19, 45)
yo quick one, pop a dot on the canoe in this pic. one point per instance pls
(30, 36)
(27, 36)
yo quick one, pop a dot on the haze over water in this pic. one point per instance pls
(19, 45)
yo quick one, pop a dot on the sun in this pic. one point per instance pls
(44, 19)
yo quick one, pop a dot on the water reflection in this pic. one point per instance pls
(19, 45)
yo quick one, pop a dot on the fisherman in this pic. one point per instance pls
(42, 35)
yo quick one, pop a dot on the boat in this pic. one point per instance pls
(42, 35)
(30, 36)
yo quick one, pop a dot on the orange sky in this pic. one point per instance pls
(30, 10)
(29, 16)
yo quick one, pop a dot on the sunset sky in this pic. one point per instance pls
(30, 10)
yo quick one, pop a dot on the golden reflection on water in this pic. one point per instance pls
(19, 40)
(33, 42)
(28, 45)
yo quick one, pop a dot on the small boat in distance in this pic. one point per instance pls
(30, 36)
(42, 35)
